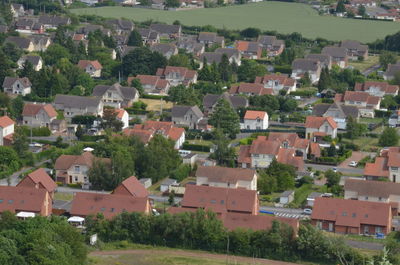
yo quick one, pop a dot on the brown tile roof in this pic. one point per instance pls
(373, 100)
(164, 127)
(292, 139)
(372, 188)
(144, 135)
(281, 78)
(316, 122)
(16, 199)
(244, 154)
(175, 133)
(377, 169)
(134, 187)
(351, 213)
(256, 89)
(262, 146)
(254, 115)
(120, 113)
(287, 156)
(64, 162)
(225, 174)
(384, 86)
(40, 176)
(84, 63)
(110, 205)
(31, 109)
(220, 200)
(5, 121)
(356, 96)
(315, 149)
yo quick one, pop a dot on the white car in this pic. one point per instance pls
(353, 164)
(307, 211)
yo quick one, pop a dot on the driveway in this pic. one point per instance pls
(356, 156)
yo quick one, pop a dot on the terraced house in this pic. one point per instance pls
(386, 166)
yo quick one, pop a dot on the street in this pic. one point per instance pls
(371, 69)
(14, 178)
(352, 171)
(285, 212)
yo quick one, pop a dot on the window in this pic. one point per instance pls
(10, 201)
(112, 210)
(213, 201)
(222, 201)
(366, 229)
(344, 214)
(76, 178)
(1, 200)
(326, 128)
(354, 215)
(380, 198)
(109, 94)
(102, 209)
(395, 168)
(366, 198)
(77, 169)
(378, 229)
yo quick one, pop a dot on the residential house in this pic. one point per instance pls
(391, 71)
(6, 130)
(21, 42)
(149, 36)
(58, 125)
(109, 205)
(234, 55)
(394, 119)
(285, 148)
(302, 66)
(3, 29)
(89, 28)
(177, 75)
(211, 100)
(225, 177)
(166, 129)
(355, 49)
(25, 201)
(311, 198)
(17, 10)
(325, 60)
(73, 169)
(152, 84)
(339, 113)
(210, 39)
(250, 89)
(167, 31)
(320, 126)
(39, 179)
(35, 60)
(255, 120)
(143, 135)
(338, 54)
(123, 50)
(352, 216)
(146, 182)
(167, 183)
(220, 200)
(365, 3)
(272, 45)
(277, 82)
(249, 49)
(121, 40)
(121, 25)
(386, 166)
(166, 49)
(38, 115)
(375, 191)
(365, 103)
(286, 197)
(40, 42)
(187, 116)
(376, 88)
(78, 105)
(17, 86)
(90, 2)
(93, 68)
(116, 96)
(28, 26)
(132, 187)
(53, 21)
(191, 46)
(123, 116)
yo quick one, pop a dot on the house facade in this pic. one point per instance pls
(152, 84)
(255, 120)
(38, 115)
(17, 86)
(35, 60)
(302, 66)
(338, 54)
(6, 130)
(93, 68)
(177, 75)
(277, 82)
(378, 89)
(225, 177)
(116, 96)
(250, 89)
(187, 116)
(385, 166)
(39, 179)
(78, 105)
(320, 126)
(339, 113)
(365, 103)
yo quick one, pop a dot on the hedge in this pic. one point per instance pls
(303, 93)
(37, 132)
(284, 69)
(136, 111)
(153, 96)
(195, 147)
(91, 138)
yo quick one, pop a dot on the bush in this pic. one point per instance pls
(154, 96)
(351, 146)
(76, 185)
(196, 147)
(181, 172)
(246, 141)
(285, 69)
(136, 111)
(38, 131)
(303, 93)
(91, 138)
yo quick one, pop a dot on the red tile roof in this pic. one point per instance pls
(384, 86)
(283, 79)
(220, 200)
(351, 213)
(317, 122)
(110, 205)
(244, 154)
(254, 115)
(262, 146)
(84, 63)
(250, 88)
(134, 187)
(32, 109)
(120, 113)
(225, 174)
(40, 176)
(5, 121)
(144, 135)
(315, 149)
(16, 199)
(163, 127)
(377, 169)
(288, 156)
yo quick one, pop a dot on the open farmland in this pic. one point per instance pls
(279, 16)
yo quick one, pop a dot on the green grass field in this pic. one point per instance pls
(279, 16)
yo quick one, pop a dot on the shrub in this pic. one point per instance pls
(196, 147)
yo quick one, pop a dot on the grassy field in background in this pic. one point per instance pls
(279, 16)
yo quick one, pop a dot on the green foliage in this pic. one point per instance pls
(142, 61)
(172, 3)
(223, 154)
(195, 147)
(9, 161)
(110, 120)
(386, 58)
(40, 240)
(181, 172)
(340, 8)
(250, 33)
(277, 177)
(225, 118)
(305, 81)
(86, 120)
(101, 177)
(389, 137)
(354, 129)
(181, 60)
(183, 95)
(135, 39)
(249, 70)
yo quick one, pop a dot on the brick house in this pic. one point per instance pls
(132, 187)
(378, 89)
(39, 179)
(250, 89)
(152, 84)
(320, 126)
(352, 216)
(365, 103)
(249, 49)
(386, 166)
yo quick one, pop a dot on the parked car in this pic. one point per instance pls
(334, 169)
(307, 211)
(353, 164)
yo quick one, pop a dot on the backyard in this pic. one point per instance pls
(279, 16)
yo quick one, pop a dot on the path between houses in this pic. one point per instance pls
(185, 253)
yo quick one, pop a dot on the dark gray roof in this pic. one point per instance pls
(210, 100)
(324, 59)
(54, 20)
(253, 46)
(9, 81)
(211, 57)
(33, 59)
(207, 36)
(23, 22)
(393, 69)
(337, 52)
(127, 93)
(228, 51)
(69, 101)
(266, 40)
(166, 29)
(168, 181)
(314, 195)
(353, 45)
(305, 64)
(89, 28)
(180, 111)
(121, 39)
(287, 193)
(125, 49)
(346, 111)
(39, 39)
(22, 43)
(121, 24)
(163, 48)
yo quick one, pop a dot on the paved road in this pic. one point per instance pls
(371, 69)
(352, 170)
(285, 212)
(53, 138)
(14, 178)
(307, 101)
